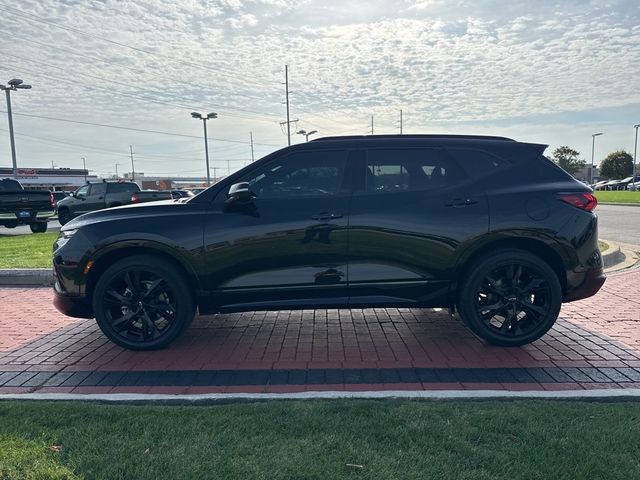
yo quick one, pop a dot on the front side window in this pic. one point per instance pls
(82, 192)
(301, 174)
(405, 170)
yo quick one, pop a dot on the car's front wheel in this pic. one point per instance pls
(143, 302)
(510, 298)
(38, 227)
(64, 216)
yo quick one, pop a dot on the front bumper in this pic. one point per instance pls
(71, 306)
(593, 281)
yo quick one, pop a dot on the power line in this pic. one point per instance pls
(95, 124)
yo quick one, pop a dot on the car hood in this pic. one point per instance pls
(159, 208)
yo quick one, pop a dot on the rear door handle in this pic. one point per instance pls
(461, 202)
(324, 216)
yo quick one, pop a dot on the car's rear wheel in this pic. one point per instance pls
(64, 216)
(510, 298)
(143, 303)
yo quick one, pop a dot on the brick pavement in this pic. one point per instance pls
(595, 344)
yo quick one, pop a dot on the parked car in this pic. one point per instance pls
(624, 183)
(182, 193)
(57, 196)
(599, 185)
(24, 207)
(483, 224)
(634, 186)
(98, 195)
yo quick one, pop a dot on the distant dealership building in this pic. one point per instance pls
(49, 178)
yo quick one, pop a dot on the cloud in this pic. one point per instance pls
(454, 64)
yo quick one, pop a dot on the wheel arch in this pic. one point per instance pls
(104, 259)
(535, 246)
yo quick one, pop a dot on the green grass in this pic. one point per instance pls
(618, 196)
(26, 251)
(318, 439)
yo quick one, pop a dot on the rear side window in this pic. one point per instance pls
(402, 170)
(121, 187)
(476, 163)
(97, 189)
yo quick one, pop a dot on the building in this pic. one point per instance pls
(57, 179)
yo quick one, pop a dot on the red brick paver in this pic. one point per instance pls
(600, 332)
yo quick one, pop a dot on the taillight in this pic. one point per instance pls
(135, 198)
(582, 200)
(52, 200)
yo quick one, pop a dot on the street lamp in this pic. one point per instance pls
(14, 84)
(593, 146)
(306, 134)
(204, 119)
(635, 154)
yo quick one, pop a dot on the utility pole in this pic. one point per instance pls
(84, 167)
(117, 170)
(14, 84)
(635, 153)
(593, 147)
(133, 170)
(286, 82)
(52, 165)
(371, 124)
(400, 121)
(251, 137)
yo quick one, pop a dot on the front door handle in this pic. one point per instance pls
(461, 202)
(324, 216)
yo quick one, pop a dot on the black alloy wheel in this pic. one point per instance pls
(511, 298)
(142, 303)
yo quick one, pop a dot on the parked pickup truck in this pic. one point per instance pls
(23, 207)
(98, 195)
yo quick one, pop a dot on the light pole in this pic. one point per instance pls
(204, 119)
(84, 167)
(635, 154)
(593, 146)
(14, 84)
(306, 134)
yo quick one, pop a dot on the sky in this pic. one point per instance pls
(551, 72)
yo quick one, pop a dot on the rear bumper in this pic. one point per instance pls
(593, 281)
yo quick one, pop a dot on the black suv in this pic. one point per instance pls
(484, 224)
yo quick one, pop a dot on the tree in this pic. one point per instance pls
(618, 164)
(567, 159)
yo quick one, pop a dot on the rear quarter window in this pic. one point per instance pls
(477, 163)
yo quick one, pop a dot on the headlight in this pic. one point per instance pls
(64, 238)
(68, 233)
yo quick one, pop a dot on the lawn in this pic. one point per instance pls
(322, 440)
(26, 251)
(618, 196)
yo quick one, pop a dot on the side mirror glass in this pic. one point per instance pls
(240, 192)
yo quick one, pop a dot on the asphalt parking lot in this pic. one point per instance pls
(595, 344)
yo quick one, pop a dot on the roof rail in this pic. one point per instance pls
(413, 136)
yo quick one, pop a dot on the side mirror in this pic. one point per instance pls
(72, 194)
(240, 192)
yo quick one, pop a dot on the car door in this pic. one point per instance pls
(288, 245)
(79, 204)
(95, 197)
(411, 211)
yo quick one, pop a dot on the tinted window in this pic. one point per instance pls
(405, 170)
(122, 187)
(476, 163)
(301, 174)
(98, 189)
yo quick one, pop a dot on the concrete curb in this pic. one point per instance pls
(217, 398)
(619, 256)
(26, 277)
(620, 204)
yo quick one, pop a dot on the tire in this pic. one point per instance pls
(147, 321)
(64, 216)
(38, 227)
(510, 298)
(11, 225)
